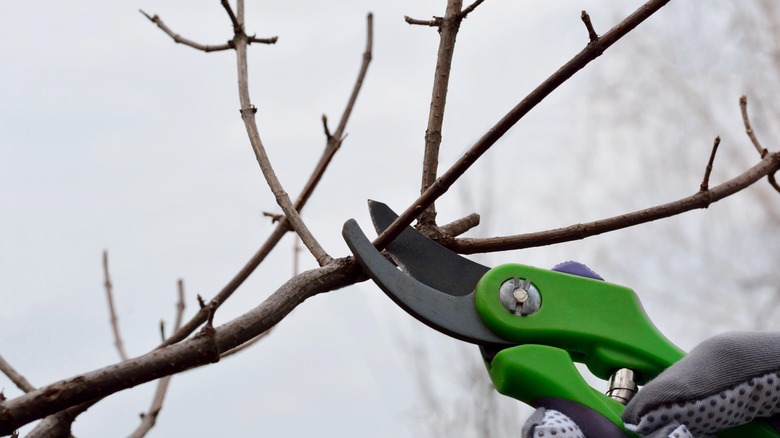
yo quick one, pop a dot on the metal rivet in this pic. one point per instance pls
(519, 296)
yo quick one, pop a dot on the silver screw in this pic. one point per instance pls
(519, 296)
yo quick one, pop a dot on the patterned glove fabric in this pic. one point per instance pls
(726, 381)
(549, 423)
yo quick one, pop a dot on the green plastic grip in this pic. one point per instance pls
(580, 319)
(533, 372)
(600, 324)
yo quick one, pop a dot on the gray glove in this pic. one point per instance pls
(726, 381)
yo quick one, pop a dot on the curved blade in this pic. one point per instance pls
(455, 316)
(426, 260)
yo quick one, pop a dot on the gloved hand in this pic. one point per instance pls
(726, 381)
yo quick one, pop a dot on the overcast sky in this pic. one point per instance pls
(113, 137)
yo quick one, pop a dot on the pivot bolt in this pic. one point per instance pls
(520, 296)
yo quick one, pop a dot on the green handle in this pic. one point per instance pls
(533, 372)
(580, 319)
(600, 324)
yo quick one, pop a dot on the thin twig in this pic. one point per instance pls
(236, 26)
(448, 32)
(577, 63)
(181, 40)
(120, 346)
(283, 226)
(149, 418)
(748, 129)
(19, 380)
(460, 226)
(768, 165)
(435, 22)
(271, 40)
(588, 25)
(705, 182)
(248, 116)
(325, 128)
(296, 253)
(752, 135)
(469, 9)
(275, 217)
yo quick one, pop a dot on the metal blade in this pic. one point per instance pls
(426, 260)
(455, 316)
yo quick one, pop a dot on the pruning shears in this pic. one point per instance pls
(531, 325)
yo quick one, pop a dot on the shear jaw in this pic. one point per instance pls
(453, 315)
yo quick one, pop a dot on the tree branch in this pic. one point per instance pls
(248, 116)
(199, 350)
(448, 32)
(19, 380)
(460, 226)
(149, 418)
(181, 40)
(592, 51)
(469, 9)
(283, 225)
(702, 199)
(237, 28)
(753, 139)
(120, 346)
(706, 180)
(435, 22)
(748, 129)
(592, 35)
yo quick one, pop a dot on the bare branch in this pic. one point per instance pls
(271, 40)
(149, 418)
(325, 128)
(469, 9)
(181, 40)
(282, 198)
(57, 425)
(702, 199)
(460, 226)
(237, 28)
(296, 253)
(19, 380)
(706, 180)
(201, 349)
(120, 346)
(283, 226)
(752, 135)
(275, 217)
(577, 63)
(748, 129)
(435, 22)
(588, 25)
(448, 32)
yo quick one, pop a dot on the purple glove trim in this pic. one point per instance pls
(577, 268)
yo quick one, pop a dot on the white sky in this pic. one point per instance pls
(112, 136)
